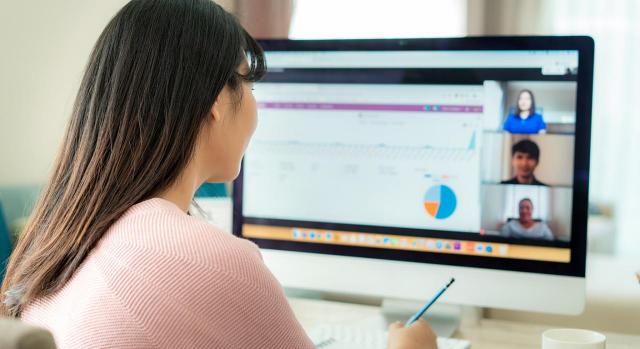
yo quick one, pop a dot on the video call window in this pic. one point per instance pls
(528, 160)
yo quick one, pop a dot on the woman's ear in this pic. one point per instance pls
(215, 112)
(220, 107)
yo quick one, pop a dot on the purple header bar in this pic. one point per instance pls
(437, 108)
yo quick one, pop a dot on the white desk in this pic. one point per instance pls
(488, 334)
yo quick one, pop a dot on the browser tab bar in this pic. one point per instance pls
(549, 60)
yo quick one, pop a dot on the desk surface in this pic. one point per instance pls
(494, 334)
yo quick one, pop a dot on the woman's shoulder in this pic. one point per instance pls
(537, 119)
(511, 116)
(156, 246)
(162, 231)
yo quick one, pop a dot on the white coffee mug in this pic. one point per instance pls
(569, 338)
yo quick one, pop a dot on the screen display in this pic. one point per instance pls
(465, 153)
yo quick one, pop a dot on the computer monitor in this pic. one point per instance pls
(385, 167)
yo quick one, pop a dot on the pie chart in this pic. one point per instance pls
(440, 201)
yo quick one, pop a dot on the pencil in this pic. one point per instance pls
(428, 304)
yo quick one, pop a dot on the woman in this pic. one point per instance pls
(525, 120)
(525, 227)
(110, 257)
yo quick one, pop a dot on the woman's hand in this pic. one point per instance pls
(417, 336)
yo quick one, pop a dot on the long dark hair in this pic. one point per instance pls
(532, 110)
(153, 75)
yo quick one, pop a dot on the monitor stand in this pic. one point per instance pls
(445, 319)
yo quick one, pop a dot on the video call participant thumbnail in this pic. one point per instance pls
(524, 119)
(525, 156)
(525, 227)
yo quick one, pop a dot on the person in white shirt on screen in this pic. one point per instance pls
(525, 227)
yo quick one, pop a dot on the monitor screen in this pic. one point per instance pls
(461, 156)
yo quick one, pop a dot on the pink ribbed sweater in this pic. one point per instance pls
(162, 279)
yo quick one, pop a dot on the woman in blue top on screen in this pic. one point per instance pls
(524, 119)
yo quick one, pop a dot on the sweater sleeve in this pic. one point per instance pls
(262, 318)
(211, 297)
(258, 313)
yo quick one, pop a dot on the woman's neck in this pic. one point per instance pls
(181, 192)
(525, 114)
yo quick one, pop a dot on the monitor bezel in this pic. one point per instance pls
(578, 244)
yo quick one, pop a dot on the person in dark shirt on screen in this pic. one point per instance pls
(524, 159)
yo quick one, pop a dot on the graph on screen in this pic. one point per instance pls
(366, 162)
(440, 201)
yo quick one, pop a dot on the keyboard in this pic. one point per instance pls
(354, 337)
